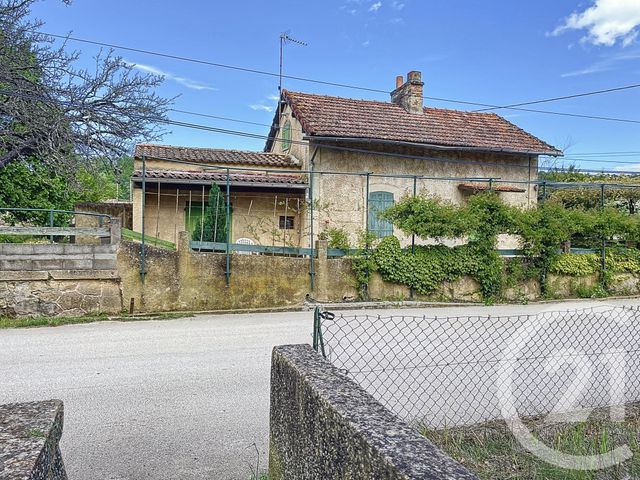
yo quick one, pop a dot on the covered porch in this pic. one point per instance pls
(264, 208)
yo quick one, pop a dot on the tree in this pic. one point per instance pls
(213, 226)
(62, 115)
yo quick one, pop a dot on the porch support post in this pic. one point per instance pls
(228, 259)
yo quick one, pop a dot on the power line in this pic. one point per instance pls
(329, 147)
(566, 97)
(487, 106)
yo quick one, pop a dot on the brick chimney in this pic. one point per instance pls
(409, 94)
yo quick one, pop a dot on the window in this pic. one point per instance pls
(286, 223)
(379, 202)
(286, 136)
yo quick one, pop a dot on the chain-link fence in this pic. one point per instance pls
(441, 372)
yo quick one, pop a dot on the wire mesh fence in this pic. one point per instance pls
(442, 372)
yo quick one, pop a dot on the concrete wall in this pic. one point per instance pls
(30, 441)
(324, 426)
(60, 279)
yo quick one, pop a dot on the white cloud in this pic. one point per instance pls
(273, 97)
(375, 7)
(606, 21)
(187, 82)
(366, 43)
(397, 5)
(261, 107)
(396, 21)
(606, 64)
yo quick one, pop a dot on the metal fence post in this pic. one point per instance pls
(228, 258)
(51, 224)
(603, 252)
(144, 196)
(413, 235)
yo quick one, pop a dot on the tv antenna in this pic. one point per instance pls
(285, 38)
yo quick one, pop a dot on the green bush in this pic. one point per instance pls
(338, 238)
(542, 230)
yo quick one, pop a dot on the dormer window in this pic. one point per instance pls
(286, 136)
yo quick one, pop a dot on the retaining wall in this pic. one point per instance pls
(325, 426)
(60, 279)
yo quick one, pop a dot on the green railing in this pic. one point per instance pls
(50, 229)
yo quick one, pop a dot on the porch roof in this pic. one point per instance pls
(252, 179)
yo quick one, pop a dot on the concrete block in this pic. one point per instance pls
(47, 264)
(21, 275)
(16, 248)
(75, 249)
(84, 274)
(105, 264)
(16, 265)
(104, 256)
(75, 265)
(48, 249)
(99, 249)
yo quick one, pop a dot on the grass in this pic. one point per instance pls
(491, 451)
(156, 242)
(26, 322)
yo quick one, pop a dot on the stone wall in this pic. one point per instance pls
(186, 280)
(324, 426)
(189, 280)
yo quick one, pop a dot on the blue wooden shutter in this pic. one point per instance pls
(379, 202)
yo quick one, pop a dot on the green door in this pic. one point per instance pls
(379, 202)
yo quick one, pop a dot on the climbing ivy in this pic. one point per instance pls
(542, 230)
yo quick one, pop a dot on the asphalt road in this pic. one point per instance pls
(175, 399)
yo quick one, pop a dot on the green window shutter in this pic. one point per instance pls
(286, 136)
(379, 202)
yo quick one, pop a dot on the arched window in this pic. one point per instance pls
(286, 136)
(379, 202)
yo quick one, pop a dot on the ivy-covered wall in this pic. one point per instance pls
(542, 271)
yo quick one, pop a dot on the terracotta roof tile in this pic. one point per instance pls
(322, 115)
(216, 176)
(214, 156)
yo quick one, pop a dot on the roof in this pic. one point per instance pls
(326, 116)
(498, 187)
(208, 177)
(214, 156)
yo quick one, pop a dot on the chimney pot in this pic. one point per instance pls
(399, 81)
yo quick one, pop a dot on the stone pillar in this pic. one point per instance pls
(116, 231)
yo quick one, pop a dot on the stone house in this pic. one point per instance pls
(355, 158)
(405, 147)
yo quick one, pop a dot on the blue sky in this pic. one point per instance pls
(489, 51)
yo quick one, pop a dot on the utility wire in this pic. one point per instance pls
(487, 106)
(565, 97)
(209, 128)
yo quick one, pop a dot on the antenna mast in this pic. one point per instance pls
(284, 39)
